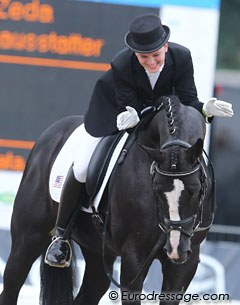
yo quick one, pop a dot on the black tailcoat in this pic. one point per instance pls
(127, 84)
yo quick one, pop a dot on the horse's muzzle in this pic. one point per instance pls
(179, 261)
(180, 254)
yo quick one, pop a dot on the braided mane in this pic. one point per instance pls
(171, 106)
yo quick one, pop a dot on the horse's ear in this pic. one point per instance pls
(195, 151)
(153, 153)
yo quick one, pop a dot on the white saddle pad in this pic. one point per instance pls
(64, 161)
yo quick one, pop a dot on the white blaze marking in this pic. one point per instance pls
(173, 203)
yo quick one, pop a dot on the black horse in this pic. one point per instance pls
(160, 207)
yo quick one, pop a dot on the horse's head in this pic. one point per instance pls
(178, 183)
(178, 178)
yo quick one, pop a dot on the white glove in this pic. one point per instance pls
(214, 107)
(127, 119)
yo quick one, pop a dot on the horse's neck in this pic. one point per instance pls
(159, 128)
(188, 125)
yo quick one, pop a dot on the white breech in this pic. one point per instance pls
(83, 154)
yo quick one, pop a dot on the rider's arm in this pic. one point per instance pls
(125, 93)
(123, 81)
(186, 90)
(185, 87)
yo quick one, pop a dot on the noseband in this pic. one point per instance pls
(168, 225)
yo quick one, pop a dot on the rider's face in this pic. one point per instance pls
(153, 61)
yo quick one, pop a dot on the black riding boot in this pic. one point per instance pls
(59, 252)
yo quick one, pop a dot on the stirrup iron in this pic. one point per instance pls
(68, 260)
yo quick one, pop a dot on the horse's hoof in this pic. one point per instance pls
(59, 253)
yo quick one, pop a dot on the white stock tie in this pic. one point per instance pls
(153, 76)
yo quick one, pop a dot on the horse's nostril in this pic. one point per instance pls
(165, 250)
(189, 252)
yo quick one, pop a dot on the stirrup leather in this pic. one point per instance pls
(67, 262)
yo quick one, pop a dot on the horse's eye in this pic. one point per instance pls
(194, 190)
(162, 188)
(156, 189)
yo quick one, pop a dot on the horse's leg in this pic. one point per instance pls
(30, 236)
(132, 260)
(176, 278)
(24, 251)
(95, 281)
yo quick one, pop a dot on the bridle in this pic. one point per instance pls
(167, 225)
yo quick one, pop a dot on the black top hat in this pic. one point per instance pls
(147, 34)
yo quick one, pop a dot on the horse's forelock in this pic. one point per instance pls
(174, 158)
